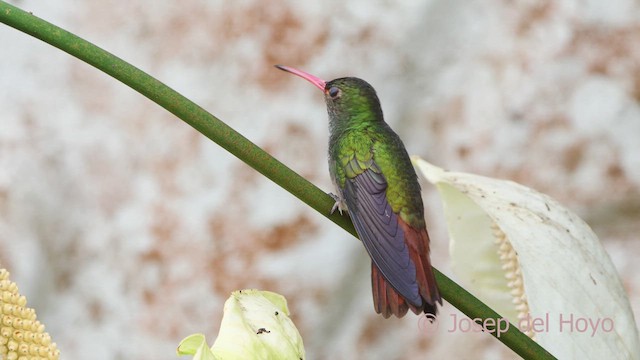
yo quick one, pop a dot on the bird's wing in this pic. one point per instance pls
(378, 227)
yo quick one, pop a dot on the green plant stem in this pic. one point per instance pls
(238, 145)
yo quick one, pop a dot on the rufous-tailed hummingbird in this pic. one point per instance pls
(378, 186)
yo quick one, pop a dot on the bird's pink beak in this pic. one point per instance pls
(319, 83)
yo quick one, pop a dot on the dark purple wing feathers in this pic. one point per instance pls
(377, 225)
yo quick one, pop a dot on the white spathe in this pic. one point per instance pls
(577, 305)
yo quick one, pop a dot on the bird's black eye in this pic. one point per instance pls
(334, 92)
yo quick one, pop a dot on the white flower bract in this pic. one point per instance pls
(549, 267)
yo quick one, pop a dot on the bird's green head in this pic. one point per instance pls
(349, 99)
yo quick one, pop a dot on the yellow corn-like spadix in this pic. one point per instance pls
(21, 335)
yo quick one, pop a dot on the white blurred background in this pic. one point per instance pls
(126, 229)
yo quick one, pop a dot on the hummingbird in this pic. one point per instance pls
(378, 187)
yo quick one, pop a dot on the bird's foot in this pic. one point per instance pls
(339, 205)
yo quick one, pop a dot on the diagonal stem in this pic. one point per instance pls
(238, 145)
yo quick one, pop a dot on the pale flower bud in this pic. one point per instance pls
(255, 325)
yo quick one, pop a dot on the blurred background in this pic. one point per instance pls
(127, 230)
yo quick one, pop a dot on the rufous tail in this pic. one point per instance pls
(387, 301)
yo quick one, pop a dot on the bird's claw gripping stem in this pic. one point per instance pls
(339, 205)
